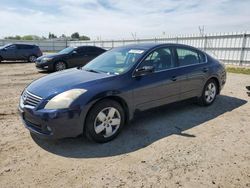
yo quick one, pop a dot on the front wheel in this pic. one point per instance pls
(209, 93)
(104, 121)
(59, 66)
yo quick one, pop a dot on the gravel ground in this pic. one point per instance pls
(180, 145)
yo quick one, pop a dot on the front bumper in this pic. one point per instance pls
(52, 124)
(44, 66)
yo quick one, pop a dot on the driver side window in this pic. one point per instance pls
(81, 50)
(160, 59)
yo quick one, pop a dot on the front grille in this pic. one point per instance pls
(30, 99)
(33, 125)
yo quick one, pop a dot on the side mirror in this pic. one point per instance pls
(4, 49)
(144, 70)
(74, 52)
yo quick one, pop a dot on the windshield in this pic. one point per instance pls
(6, 45)
(66, 50)
(115, 61)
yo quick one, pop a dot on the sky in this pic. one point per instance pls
(122, 19)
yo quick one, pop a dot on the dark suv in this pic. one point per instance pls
(25, 52)
(68, 58)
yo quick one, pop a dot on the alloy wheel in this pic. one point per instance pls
(60, 66)
(210, 92)
(107, 122)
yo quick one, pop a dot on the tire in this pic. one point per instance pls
(104, 121)
(209, 93)
(60, 65)
(1, 59)
(32, 58)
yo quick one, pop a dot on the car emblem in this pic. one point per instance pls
(25, 98)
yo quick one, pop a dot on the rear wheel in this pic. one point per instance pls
(1, 59)
(104, 121)
(32, 58)
(60, 65)
(209, 93)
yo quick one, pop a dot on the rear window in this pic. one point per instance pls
(202, 57)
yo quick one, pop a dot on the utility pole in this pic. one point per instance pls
(202, 30)
(134, 36)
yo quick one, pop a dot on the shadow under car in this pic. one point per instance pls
(147, 127)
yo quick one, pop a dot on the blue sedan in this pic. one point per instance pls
(99, 98)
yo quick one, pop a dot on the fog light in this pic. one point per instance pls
(45, 67)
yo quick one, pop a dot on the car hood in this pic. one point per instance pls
(65, 80)
(51, 56)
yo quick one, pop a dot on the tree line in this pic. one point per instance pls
(73, 36)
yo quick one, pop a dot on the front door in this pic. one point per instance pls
(10, 52)
(78, 57)
(160, 87)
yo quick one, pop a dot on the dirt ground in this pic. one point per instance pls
(180, 145)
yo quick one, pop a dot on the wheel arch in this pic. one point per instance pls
(115, 98)
(58, 60)
(215, 78)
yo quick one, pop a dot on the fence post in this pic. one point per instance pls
(112, 44)
(205, 42)
(66, 42)
(53, 44)
(242, 50)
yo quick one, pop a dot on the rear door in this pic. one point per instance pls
(194, 65)
(23, 51)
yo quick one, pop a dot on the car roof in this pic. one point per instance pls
(147, 46)
(88, 46)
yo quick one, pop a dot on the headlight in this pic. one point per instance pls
(45, 59)
(64, 100)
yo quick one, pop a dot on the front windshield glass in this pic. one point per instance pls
(6, 45)
(66, 50)
(115, 61)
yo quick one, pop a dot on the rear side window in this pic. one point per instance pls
(23, 46)
(94, 51)
(202, 57)
(187, 57)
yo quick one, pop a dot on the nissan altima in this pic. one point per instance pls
(99, 98)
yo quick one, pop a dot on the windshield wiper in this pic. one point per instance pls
(91, 70)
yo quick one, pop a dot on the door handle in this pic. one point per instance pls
(174, 78)
(205, 69)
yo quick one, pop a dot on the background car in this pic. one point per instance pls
(20, 52)
(99, 98)
(68, 58)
